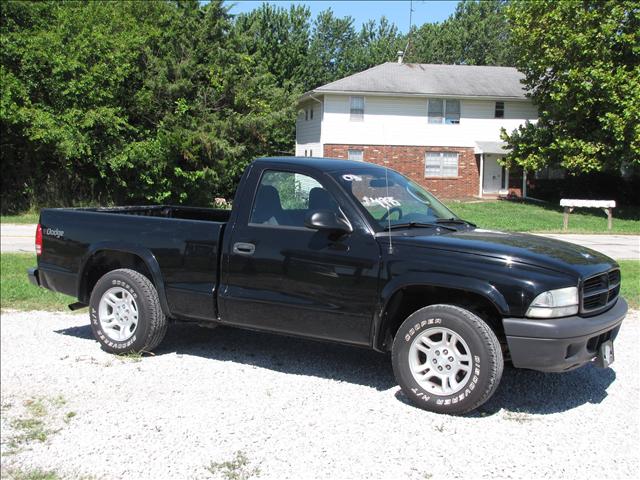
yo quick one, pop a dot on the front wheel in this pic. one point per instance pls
(447, 359)
(126, 316)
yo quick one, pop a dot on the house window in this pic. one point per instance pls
(311, 153)
(311, 114)
(499, 112)
(357, 108)
(441, 164)
(306, 114)
(435, 110)
(452, 111)
(443, 111)
(357, 155)
(305, 153)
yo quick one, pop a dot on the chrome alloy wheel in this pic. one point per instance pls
(118, 314)
(440, 361)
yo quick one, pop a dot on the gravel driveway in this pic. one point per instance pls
(275, 407)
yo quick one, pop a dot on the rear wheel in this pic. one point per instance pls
(125, 311)
(447, 359)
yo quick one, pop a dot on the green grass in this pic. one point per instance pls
(133, 357)
(533, 217)
(34, 426)
(31, 430)
(29, 217)
(237, 469)
(13, 473)
(630, 288)
(17, 293)
(69, 416)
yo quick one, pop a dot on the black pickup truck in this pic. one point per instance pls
(345, 252)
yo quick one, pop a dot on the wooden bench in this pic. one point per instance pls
(569, 204)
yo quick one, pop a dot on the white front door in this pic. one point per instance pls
(492, 182)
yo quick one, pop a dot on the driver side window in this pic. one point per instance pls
(285, 198)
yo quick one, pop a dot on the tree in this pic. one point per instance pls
(70, 73)
(476, 34)
(279, 39)
(219, 105)
(127, 102)
(377, 42)
(332, 50)
(581, 62)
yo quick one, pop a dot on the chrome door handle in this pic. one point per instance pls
(244, 248)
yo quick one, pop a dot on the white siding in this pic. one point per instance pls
(309, 150)
(520, 110)
(403, 121)
(308, 131)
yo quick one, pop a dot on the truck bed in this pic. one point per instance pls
(165, 211)
(179, 247)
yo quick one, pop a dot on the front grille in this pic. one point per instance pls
(614, 277)
(600, 291)
(595, 284)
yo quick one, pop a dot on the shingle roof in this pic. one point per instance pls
(491, 147)
(429, 79)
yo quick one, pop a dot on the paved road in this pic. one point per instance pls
(619, 247)
(17, 238)
(20, 238)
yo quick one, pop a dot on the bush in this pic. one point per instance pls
(595, 186)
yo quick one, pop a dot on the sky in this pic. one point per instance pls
(396, 11)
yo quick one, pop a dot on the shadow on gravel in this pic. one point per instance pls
(274, 352)
(530, 392)
(523, 391)
(83, 332)
(541, 393)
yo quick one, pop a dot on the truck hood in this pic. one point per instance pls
(514, 247)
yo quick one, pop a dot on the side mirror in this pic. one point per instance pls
(328, 221)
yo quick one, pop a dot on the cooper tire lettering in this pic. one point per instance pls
(152, 323)
(486, 362)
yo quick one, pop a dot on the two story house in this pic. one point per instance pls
(438, 124)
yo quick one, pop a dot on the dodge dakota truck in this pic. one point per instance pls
(346, 252)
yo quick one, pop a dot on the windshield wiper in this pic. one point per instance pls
(457, 221)
(417, 225)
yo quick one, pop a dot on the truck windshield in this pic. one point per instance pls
(393, 200)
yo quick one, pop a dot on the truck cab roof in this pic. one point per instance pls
(324, 164)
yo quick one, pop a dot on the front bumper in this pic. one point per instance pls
(34, 278)
(561, 344)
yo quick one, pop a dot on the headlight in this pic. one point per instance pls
(555, 303)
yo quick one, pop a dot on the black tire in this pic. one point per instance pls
(485, 352)
(151, 324)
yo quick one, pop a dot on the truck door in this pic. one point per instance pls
(284, 277)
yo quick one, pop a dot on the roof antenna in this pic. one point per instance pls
(386, 204)
(406, 49)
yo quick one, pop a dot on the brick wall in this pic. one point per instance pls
(409, 161)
